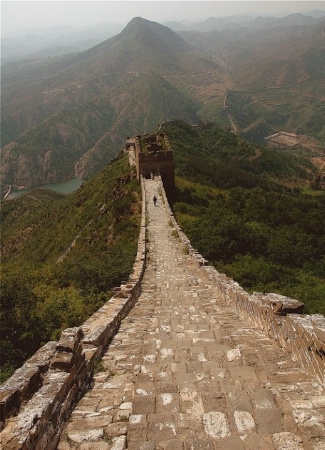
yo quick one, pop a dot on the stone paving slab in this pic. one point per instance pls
(184, 373)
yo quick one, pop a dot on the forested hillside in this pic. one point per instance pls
(250, 212)
(61, 256)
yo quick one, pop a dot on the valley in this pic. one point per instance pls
(67, 117)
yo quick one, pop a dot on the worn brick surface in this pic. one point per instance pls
(184, 372)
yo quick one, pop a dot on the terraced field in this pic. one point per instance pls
(273, 98)
(299, 108)
(204, 80)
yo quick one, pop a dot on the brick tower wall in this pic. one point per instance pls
(156, 162)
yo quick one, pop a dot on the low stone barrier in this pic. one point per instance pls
(280, 317)
(39, 397)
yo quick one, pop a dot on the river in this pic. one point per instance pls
(66, 187)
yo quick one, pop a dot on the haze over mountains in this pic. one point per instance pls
(68, 116)
(250, 22)
(54, 41)
(59, 40)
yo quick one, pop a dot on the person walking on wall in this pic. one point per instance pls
(154, 200)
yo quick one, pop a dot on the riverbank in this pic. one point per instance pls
(65, 187)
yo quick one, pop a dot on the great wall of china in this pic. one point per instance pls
(181, 357)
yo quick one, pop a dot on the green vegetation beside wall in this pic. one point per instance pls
(42, 294)
(249, 210)
(267, 241)
(214, 111)
(208, 154)
(234, 202)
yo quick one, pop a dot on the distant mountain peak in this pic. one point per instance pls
(138, 23)
(165, 34)
(139, 20)
(135, 22)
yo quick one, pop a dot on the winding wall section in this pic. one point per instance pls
(189, 334)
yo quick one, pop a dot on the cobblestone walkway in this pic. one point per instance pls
(184, 372)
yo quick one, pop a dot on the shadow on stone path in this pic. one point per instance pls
(184, 372)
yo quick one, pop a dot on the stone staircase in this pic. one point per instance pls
(184, 372)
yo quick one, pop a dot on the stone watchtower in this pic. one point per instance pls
(152, 155)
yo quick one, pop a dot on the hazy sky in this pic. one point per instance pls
(22, 15)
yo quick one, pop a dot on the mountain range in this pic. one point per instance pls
(249, 22)
(54, 41)
(67, 116)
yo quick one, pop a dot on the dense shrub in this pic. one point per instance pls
(238, 211)
(42, 294)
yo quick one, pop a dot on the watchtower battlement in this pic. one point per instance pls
(153, 156)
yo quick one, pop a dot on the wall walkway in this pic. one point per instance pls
(195, 364)
(184, 372)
